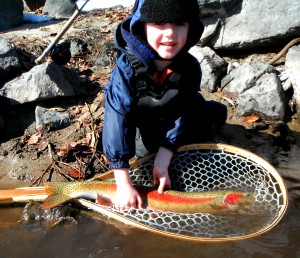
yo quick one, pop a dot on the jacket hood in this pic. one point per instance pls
(130, 36)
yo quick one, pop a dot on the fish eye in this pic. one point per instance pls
(247, 194)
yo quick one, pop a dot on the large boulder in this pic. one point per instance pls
(248, 24)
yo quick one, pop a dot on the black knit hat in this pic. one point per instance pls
(169, 11)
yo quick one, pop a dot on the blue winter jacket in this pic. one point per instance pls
(167, 125)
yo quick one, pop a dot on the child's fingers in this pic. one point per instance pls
(162, 184)
(139, 202)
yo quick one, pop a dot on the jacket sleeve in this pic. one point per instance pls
(118, 136)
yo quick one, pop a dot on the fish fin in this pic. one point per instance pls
(103, 200)
(216, 207)
(54, 200)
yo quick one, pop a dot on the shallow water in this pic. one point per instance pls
(103, 237)
(106, 238)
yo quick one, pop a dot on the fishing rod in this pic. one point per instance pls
(52, 45)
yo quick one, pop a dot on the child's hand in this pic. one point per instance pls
(126, 196)
(160, 170)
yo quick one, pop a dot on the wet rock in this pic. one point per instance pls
(281, 129)
(33, 214)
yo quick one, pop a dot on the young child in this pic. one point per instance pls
(155, 88)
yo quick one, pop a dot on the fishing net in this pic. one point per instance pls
(206, 167)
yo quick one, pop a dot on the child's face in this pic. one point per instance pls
(167, 39)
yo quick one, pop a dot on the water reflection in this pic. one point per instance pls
(89, 238)
(106, 238)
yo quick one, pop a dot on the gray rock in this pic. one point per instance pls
(9, 61)
(55, 119)
(213, 67)
(59, 8)
(265, 99)
(211, 29)
(255, 23)
(43, 81)
(256, 89)
(76, 46)
(244, 77)
(49, 218)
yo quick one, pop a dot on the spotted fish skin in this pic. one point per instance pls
(216, 201)
(61, 192)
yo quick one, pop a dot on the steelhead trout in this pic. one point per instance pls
(217, 201)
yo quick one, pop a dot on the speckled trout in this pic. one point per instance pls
(170, 201)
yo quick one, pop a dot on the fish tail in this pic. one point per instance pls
(56, 196)
(54, 200)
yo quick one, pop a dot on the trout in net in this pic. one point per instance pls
(214, 201)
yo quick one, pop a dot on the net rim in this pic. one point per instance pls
(203, 146)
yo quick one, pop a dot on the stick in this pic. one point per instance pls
(284, 50)
(41, 58)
